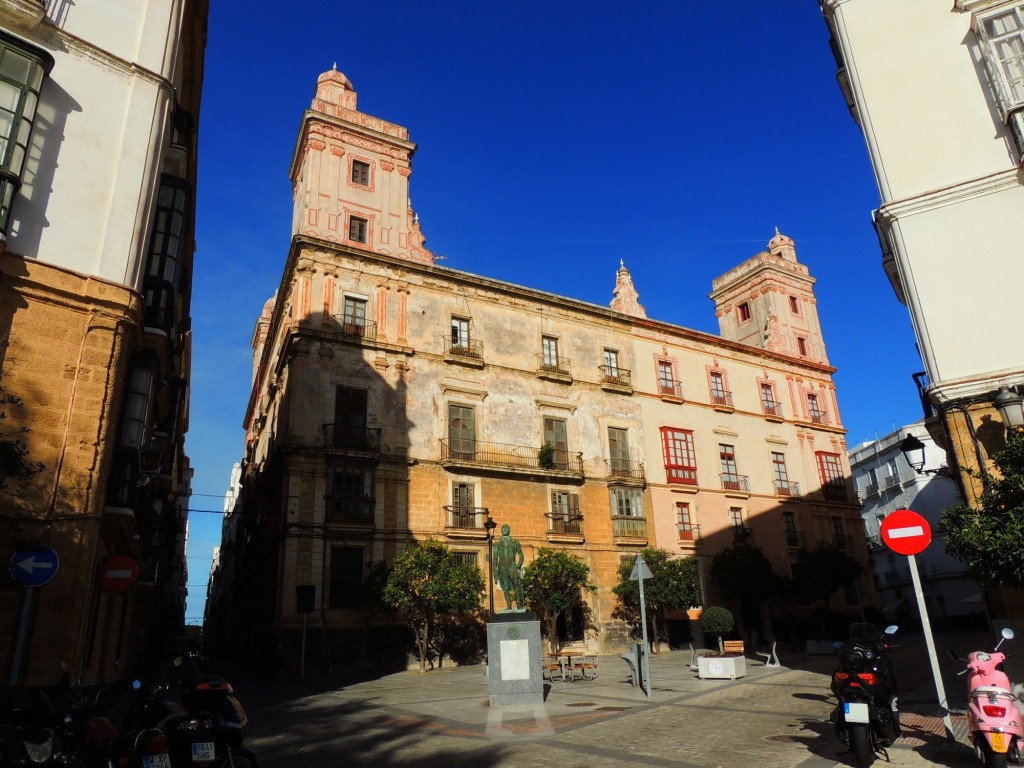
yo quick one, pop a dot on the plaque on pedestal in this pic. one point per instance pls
(514, 659)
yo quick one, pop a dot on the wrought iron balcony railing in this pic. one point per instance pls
(786, 488)
(741, 534)
(842, 540)
(731, 482)
(556, 366)
(354, 327)
(624, 469)
(571, 525)
(871, 489)
(466, 517)
(772, 409)
(795, 539)
(343, 510)
(508, 456)
(670, 388)
(351, 438)
(891, 482)
(722, 398)
(819, 418)
(689, 533)
(466, 348)
(631, 527)
(615, 376)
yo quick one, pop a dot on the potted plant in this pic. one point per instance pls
(718, 621)
(694, 612)
(546, 456)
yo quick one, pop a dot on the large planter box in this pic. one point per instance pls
(721, 667)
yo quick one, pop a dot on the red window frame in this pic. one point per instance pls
(680, 456)
(684, 523)
(830, 470)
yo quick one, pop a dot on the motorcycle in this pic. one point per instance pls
(866, 717)
(199, 715)
(993, 719)
(28, 727)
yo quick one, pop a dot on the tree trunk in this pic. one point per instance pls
(553, 632)
(423, 642)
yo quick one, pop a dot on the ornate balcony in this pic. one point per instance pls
(689, 534)
(795, 539)
(355, 329)
(834, 491)
(629, 527)
(466, 518)
(819, 418)
(347, 511)
(565, 525)
(722, 400)
(614, 379)
(786, 488)
(741, 535)
(465, 352)
(670, 391)
(514, 458)
(359, 439)
(624, 469)
(733, 482)
(554, 369)
(773, 411)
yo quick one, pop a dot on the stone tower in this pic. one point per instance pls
(350, 175)
(768, 302)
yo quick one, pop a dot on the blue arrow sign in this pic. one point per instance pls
(34, 567)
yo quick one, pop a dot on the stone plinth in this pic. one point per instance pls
(514, 659)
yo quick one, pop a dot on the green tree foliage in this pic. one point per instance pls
(819, 572)
(742, 572)
(428, 584)
(990, 539)
(717, 621)
(674, 583)
(552, 584)
(14, 461)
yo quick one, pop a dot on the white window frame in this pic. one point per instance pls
(1009, 87)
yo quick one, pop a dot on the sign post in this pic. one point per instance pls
(640, 572)
(906, 532)
(31, 568)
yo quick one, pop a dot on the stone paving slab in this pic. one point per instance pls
(772, 718)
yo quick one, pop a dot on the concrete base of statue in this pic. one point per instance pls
(514, 659)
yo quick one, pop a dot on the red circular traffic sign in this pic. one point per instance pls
(905, 532)
(119, 573)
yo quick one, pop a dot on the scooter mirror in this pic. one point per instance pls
(1007, 633)
(892, 629)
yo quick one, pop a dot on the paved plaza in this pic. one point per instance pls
(772, 718)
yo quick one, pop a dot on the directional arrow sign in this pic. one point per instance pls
(119, 573)
(905, 532)
(34, 567)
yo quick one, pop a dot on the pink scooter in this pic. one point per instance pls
(992, 715)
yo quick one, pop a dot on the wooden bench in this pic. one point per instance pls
(733, 646)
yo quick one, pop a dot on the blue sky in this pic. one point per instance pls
(554, 139)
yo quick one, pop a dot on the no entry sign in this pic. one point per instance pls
(119, 573)
(906, 533)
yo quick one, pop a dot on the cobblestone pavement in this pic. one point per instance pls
(772, 718)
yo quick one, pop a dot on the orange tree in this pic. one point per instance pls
(552, 584)
(674, 583)
(428, 585)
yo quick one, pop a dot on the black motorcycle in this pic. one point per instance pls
(29, 732)
(866, 718)
(198, 714)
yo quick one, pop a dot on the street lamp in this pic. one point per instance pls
(913, 451)
(151, 456)
(490, 525)
(1011, 408)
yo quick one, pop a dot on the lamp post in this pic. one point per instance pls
(913, 451)
(490, 525)
(151, 457)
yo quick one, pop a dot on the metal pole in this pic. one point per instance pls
(927, 627)
(490, 570)
(302, 658)
(646, 672)
(19, 646)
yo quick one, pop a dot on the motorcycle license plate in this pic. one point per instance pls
(855, 712)
(998, 742)
(202, 751)
(162, 760)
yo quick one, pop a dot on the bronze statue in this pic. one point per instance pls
(507, 567)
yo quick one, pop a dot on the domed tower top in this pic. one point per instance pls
(625, 299)
(333, 90)
(782, 246)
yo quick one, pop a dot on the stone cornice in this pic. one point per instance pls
(1001, 181)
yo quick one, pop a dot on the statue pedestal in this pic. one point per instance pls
(514, 659)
